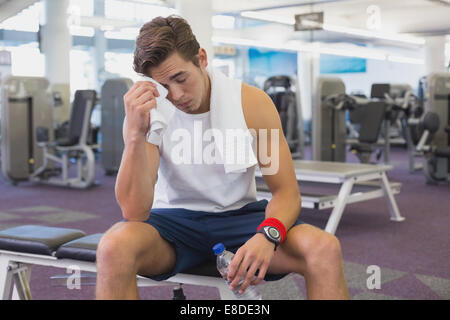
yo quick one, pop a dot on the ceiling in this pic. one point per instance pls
(415, 17)
(401, 16)
(9, 8)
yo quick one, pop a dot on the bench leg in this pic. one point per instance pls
(5, 278)
(341, 202)
(393, 209)
(21, 277)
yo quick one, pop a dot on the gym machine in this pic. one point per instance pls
(30, 151)
(279, 88)
(113, 114)
(330, 127)
(435, 140)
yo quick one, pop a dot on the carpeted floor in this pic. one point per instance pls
(413, 256)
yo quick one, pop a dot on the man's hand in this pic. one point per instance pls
(138, 101)
(256, 253)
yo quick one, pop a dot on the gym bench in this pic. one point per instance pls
(23, 247)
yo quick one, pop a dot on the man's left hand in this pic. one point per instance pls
(256, 253)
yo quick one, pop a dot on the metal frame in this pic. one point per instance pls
(15, 269)
(362, 174)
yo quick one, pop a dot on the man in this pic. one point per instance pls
(171, 224)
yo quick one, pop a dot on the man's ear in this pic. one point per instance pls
(202, 58)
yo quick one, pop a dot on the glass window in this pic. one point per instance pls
(81, 71)
(120, 65)
(26, 60)
(119, 9)
(81, 7)
(124, 33)
(135, 11)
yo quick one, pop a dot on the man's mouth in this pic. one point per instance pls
(184, 105)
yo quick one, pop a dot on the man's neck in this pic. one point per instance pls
(205, 105)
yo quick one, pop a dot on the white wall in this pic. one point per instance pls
(381, 72)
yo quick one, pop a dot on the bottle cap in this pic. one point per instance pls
(218, 248)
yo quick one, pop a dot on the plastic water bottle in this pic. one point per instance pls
(223, 260)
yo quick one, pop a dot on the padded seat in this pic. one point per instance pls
(66, 142)
(361, 147)
(70, 244)
(443, 152)
(37, 239)
(83, 249)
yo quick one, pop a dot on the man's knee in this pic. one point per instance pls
(114, 252)
(324, 253)
(317, 247)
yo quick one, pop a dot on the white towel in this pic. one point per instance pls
(160, 115)
(226, 115)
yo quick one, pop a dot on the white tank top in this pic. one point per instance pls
(195, 184)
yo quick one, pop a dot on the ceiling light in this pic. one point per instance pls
(339, 29)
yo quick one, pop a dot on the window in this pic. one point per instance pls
(81, 71)
(120, 64)
(135, 11)
(26, 60)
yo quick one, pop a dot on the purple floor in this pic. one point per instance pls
(414, 255)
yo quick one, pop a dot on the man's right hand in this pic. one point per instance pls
(139, 100)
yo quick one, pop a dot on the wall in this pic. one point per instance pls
(381, 72)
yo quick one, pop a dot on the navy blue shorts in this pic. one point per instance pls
(194, 233)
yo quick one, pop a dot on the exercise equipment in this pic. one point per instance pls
(284, 98)
(403, 109)
(435, 140)
(330, 127)
(39, 157)
(336, 184)
(26, 105)
(74, 148)
(113, 114)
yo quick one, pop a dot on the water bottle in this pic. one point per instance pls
(224, 258)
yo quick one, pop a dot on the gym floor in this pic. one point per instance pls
(413, 255)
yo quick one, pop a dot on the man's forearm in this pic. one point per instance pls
(135, 181)
(284, 206)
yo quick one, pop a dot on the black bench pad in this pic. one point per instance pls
(83, 249)
(443, 152)
(70, 244)
(36, 239)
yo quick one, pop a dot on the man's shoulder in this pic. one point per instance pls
(257, 106)
(251, 94)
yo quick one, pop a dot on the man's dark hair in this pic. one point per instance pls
(161, 37)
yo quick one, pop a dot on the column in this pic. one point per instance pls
(308, 69)
(198, 14)
(435, 54)
(56, 44)
(100, 47)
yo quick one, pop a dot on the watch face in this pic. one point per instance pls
(273, 232)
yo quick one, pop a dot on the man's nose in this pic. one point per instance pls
(176, 93)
